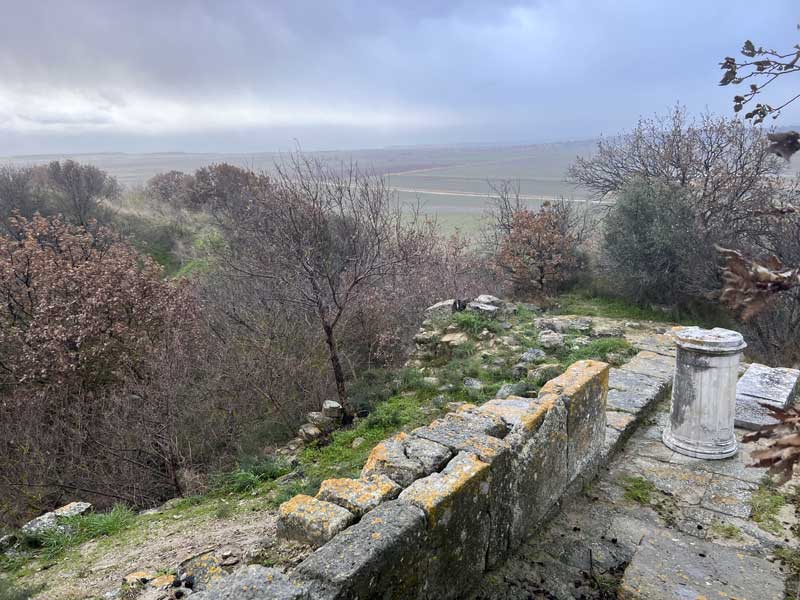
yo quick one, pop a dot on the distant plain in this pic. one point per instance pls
(451, 182)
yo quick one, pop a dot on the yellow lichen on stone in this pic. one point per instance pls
(532, 419)
(358, 495)
(437, 493)
(577, 377)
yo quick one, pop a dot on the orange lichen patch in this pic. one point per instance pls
(312, 521)
(358, 495)
(437, 493)
(162, 581)
(531, 420)
(380, 453)
(577, 377)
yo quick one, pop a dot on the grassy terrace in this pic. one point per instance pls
(397, 401)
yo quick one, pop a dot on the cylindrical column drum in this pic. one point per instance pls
(704, 393)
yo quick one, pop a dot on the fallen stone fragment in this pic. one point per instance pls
(359, 496)
(332, 410)
(487, 310)
(50, 520)
(774, 386)
(473, 384)
(323, 423)
(311, 521)
(532, 355)
(440, 309)
(545, 372)
(73, 509)
(309, 432)
(551, 340)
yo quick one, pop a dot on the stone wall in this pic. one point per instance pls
(436, 508)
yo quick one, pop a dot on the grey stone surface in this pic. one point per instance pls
(473, 384)
(389, 458)
(668, 565)
(486, 310)
(457, 504)
(654, 365)
(460, 434)
(255, 582)
(332, 410)
(775, 387)
(512, 389)
(50, 520)
(432, 456)
(532, 355)
(551, 339)
(383, 556)
(311, 521)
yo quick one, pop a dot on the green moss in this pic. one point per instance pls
(638, 489)
(765, 503)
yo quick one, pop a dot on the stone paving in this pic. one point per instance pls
(654, 524)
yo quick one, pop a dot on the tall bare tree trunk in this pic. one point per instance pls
(338, 371)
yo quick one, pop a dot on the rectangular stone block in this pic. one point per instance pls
(456, 503)
(456, 434)
(652, 364)
(510, 409)
(311, 521)
(389, 458)
(583, 387)
(774, 386)
(539, 464)
(383, 556)
(359, 496)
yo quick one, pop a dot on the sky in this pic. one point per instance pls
(250, 76)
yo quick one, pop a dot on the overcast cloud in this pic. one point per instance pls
(236, 75)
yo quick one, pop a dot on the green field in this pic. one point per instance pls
(452, 183)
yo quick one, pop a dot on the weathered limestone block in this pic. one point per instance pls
(332, 410)
(440, 309)
(432, 456)
(632, 392)
(545, 372)
(309, 432)
(50, 520)
(583, 387)
(487, 310)
(539, 463)
(776, 387)
(323, 423)
(255, 582)
(477, 420)
(551, 339)
(311, 521)
(382, 556)
(358, 495)
(389, 458)
(510, 409)
(489, 299)
(461, 434)
(456, 503)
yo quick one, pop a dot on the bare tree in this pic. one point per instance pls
(322, 236)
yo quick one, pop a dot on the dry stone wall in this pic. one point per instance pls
(436, 508)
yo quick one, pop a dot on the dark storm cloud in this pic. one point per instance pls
(251, 75)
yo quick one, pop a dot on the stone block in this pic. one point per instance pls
(456, 503)
(389, 458)
(480, 421)
(510, 409)
(633, 392)
(311, 521)
(255, 582)
(487, 310)
(460, 434)
(332, 410)
(649, 363)
(583, 388)
(358, 495)
(539, 463)
(773, 386)
(382, 556)
(432, 456)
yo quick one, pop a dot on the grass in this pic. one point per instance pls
(726, 530)
(597, 350)
(250, 475)
(10, 591)
(638, 489)
(577, 303)
(474, 323)
(765, 503)
(52, 543)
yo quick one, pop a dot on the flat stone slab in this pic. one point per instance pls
(358, 495)
(760, 384)
(669, 565)
(255, 582)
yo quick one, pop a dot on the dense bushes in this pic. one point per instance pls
(649, 243)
